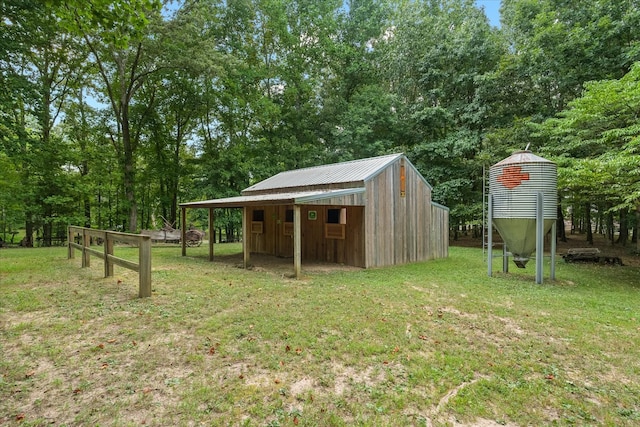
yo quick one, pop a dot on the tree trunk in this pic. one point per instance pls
(637, 231)
(562, 233)
(129, 171)
(28, 237)
(587, 220)
(624, 227)
(610, 228)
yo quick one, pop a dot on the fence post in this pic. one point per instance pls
(70, 251)
(144, 262)
(86, 242)
(108, 250)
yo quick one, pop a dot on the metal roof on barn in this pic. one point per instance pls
(344, 174)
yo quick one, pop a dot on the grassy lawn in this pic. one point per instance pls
(434, 343)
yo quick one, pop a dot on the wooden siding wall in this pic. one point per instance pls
(439, 231)
(402, 229)
(315, 247)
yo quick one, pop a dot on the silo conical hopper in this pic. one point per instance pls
(514, 185)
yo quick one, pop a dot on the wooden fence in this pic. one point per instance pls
(143, 267)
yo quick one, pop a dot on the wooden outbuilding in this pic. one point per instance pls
(366, 213)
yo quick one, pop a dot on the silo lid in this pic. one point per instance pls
(523, 156)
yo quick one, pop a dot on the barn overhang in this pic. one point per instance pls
(292, 198)
(336, 196)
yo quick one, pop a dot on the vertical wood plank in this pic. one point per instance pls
(246, 238)
(183, 230)
(297, 241)
(108, 250)
(70, 251)
(212, 233)
(86, 242)
(144, 262)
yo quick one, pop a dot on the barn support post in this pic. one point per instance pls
(539, 237)
(212, 233)
(183, 230)
(297, 241)
(246, 238)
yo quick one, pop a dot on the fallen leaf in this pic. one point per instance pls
(20, 416)
(100, 345)
(76, 391)
(397, 349)
(212, 350)
(133, 343)
(386, 362)
(295, 420)
(277, 381)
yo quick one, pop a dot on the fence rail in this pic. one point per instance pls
(143, 267)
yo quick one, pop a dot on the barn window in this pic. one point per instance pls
(337, 216)
(257, 223)
(288, 222)
(335, 227)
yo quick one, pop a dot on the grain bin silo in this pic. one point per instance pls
(523, 204)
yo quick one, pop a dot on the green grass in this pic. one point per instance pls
(432, 343)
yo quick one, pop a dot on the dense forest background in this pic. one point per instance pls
(114, 112)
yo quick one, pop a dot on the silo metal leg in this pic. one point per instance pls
(539, 238)
(505, 258)
(490, 236)
(553, 249)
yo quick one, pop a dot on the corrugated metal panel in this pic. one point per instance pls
(515, 185)
(354, 172)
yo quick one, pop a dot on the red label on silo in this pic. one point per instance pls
(512, 176)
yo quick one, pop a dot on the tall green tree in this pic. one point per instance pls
(597, 141)
(117, 36)
(439, 54)
(49, 60)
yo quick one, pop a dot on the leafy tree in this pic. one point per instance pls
(47, 60)
(597, 140)
(438, 55)
(115, 35)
